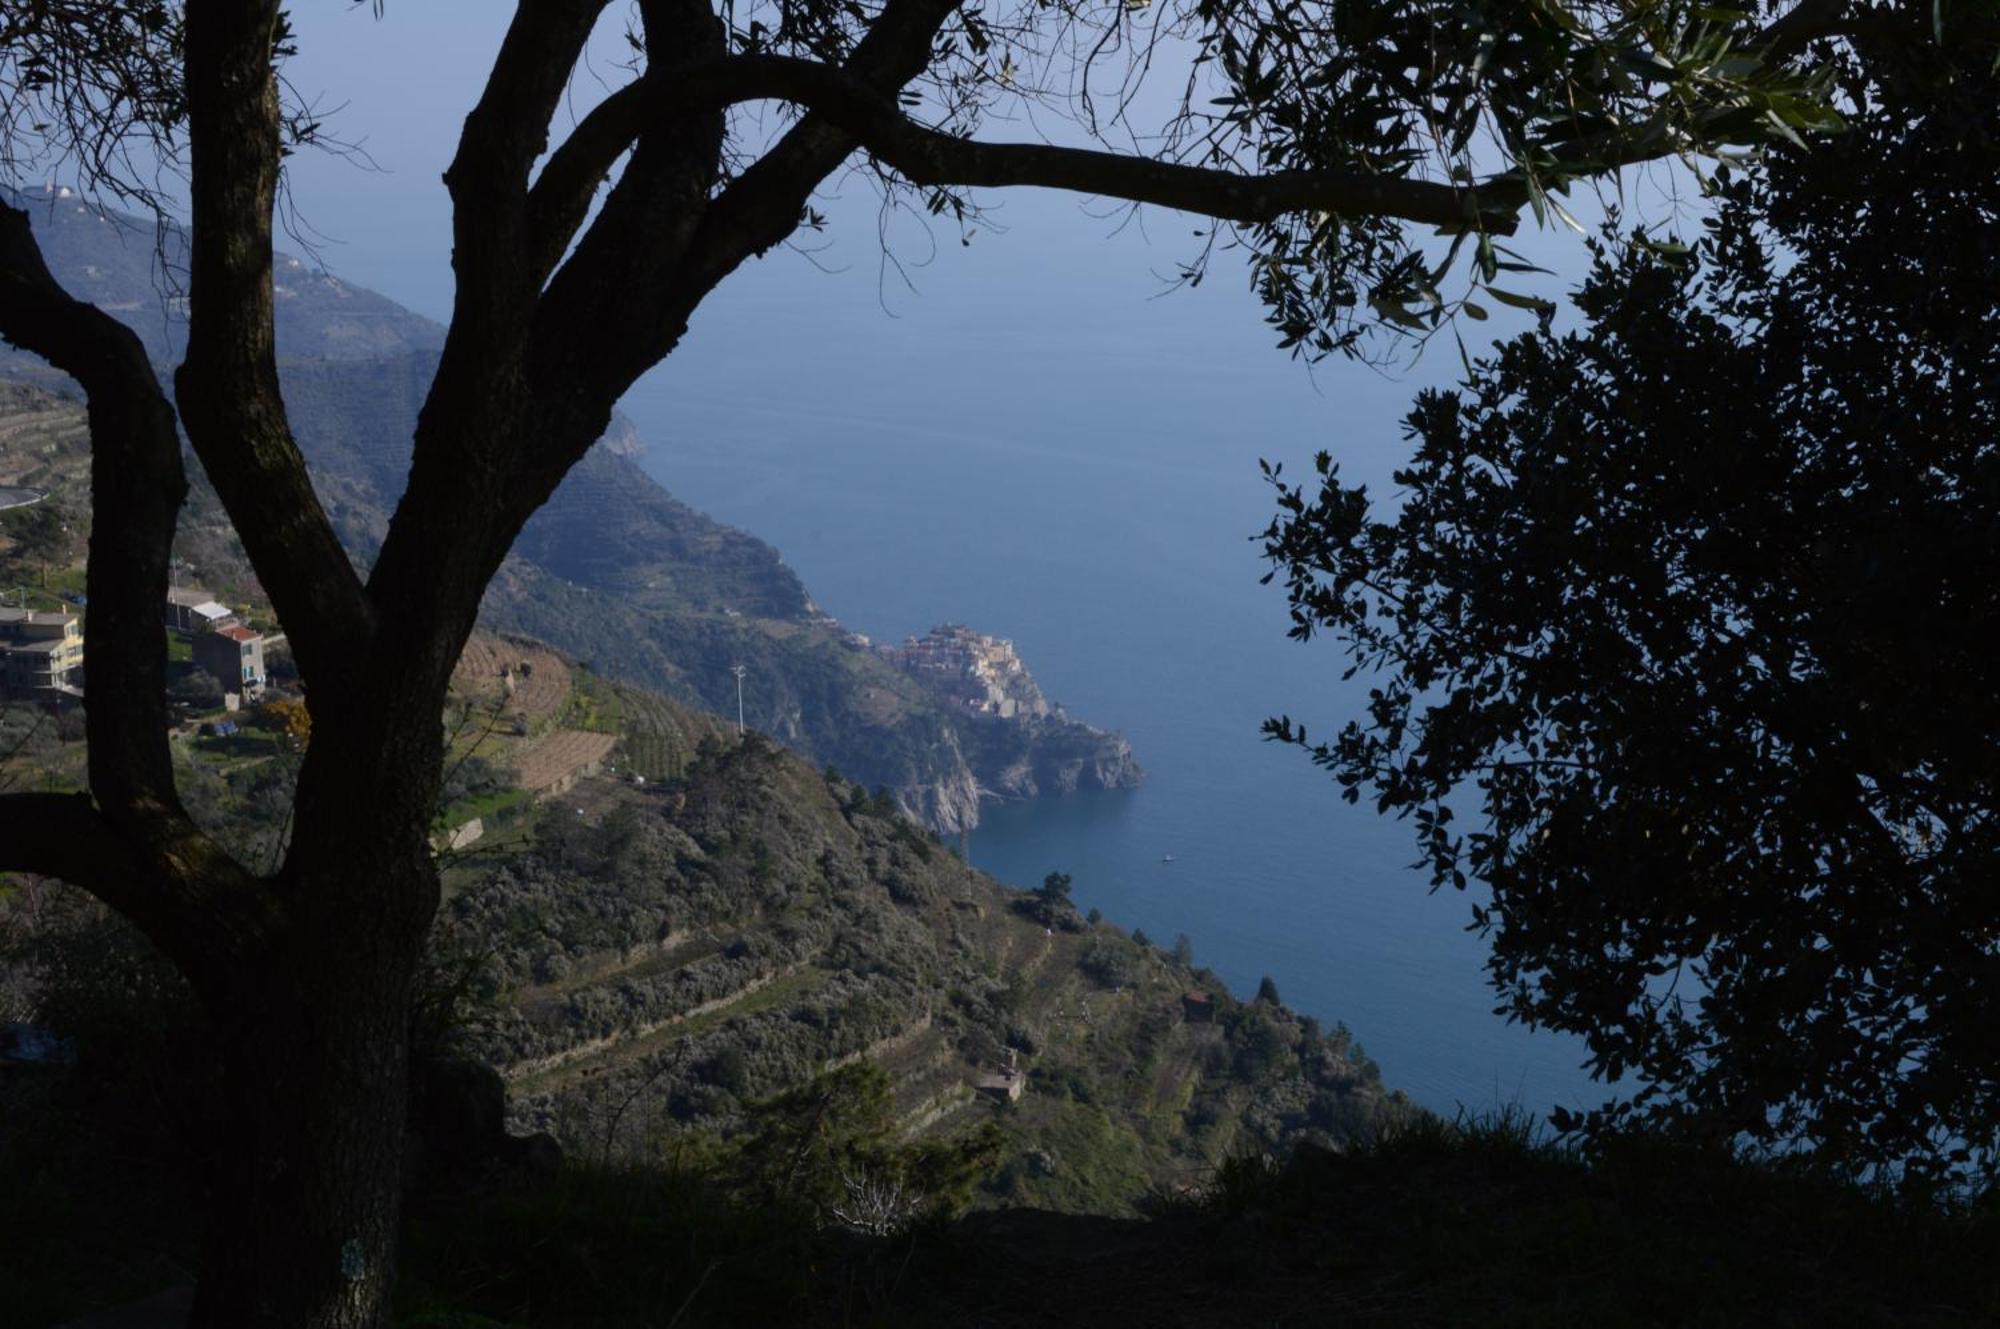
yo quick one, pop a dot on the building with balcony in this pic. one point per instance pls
(41, 655)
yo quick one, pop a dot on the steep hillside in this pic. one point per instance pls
(658, 955)
(44, 440)
(613, 566)
(647, 589)
(654, 929)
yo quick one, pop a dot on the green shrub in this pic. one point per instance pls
(1109, 963)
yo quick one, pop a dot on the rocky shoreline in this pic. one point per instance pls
(1014, 760)
(1013, 743)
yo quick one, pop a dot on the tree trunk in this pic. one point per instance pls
(304, 1210)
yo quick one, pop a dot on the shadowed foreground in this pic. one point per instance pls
(1436, 1228)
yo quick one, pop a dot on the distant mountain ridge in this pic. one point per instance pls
(613, 568)
(130, 267)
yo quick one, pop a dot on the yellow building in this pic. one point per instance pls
(41, 655)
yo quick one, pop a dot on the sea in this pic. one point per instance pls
(1057, 441)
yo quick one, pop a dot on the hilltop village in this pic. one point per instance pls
(980, 673)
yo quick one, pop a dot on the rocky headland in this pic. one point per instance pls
(613, 568)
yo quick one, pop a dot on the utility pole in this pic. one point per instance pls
(739, 671)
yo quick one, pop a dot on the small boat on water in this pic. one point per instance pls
(1166, 858)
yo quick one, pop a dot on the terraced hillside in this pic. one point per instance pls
(660, 950)
(711, 921)
(45, 445)
(44, 439)
(660, 956)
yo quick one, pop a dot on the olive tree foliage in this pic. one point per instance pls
(95, 91)
(1327, 141)
(1692, 609)
(85, 84)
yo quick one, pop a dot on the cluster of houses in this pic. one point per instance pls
(984, 674)
(41, 651)
(222, 645)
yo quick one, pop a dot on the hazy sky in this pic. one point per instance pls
(1066, 284)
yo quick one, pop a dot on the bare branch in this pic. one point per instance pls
(763, 206)
(756, 211)
(461, 481)
(562, 194)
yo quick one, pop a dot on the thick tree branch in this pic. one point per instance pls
(137, 487)
(569, 180)
(494, 250)
(856, 104)
(228, 387)
(136, 848)
(65, 837)
(928, 157)
(1789, 34)
(764, 205)
(507, 129)
(756, 211)
(472, 474)
(192, 901)
(442, 540)
(896, 48)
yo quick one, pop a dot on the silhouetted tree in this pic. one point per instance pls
(1267, 991)
(1054, 889)
(1695, 605)
(1314, 137)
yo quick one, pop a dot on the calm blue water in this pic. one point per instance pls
(1052, 455)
